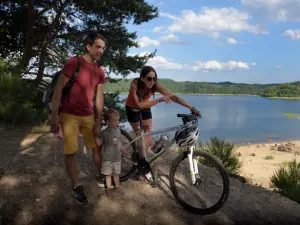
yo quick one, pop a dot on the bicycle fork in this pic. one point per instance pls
(193, 165)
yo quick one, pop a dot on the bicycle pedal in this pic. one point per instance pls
(153, 184)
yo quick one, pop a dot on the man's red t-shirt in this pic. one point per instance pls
(80, 102)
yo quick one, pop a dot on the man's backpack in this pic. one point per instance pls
(48, 93)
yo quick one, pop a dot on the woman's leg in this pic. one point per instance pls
(133, 117)
(147, 127)
(137, 131)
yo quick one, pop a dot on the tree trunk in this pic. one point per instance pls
(28, 51)
(47, 39)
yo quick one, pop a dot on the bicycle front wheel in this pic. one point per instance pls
(189, 193)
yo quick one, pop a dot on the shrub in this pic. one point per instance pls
(19, 104)
(286, 181)
(225, 151)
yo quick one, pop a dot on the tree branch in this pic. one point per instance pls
(27, 54)
(47, 39)
(36, 73)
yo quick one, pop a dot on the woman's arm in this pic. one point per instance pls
(142, 105)
(164, 91)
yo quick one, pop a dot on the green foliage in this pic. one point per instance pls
(19, 104)
(292, 115)
(39, 39)
(283, 90)
(112, 100)
(286, 181)
(196, 87)
(225, 151)
(55, 29)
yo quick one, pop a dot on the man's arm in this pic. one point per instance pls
(56, 98)
(99, 104)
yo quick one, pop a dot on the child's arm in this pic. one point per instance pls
(123, 151)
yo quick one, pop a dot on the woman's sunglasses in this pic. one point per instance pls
(151, 78)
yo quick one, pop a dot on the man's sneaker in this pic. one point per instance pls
(80, 195)
(101, 182)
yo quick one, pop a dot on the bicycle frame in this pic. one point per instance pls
(192, 162)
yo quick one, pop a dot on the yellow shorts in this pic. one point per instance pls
(71, 125)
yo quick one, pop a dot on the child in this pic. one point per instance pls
(111, 151)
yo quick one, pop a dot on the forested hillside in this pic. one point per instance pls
(283, 90)
(188, 87)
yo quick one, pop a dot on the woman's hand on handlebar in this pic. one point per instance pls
(165, 99)
(196, 111)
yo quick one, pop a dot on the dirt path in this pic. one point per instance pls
(35, 190)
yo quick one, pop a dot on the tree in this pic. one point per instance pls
(41, 34)
(38, 36)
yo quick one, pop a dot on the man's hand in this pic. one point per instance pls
(54, 123)
(97, 129)
(98, 141)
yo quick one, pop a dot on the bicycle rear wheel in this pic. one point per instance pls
(127, 168)
(209, 167)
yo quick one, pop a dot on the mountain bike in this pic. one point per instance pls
(197, 173)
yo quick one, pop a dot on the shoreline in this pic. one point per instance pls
(126, 93)
(204, 94)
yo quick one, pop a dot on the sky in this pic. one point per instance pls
(241, 41)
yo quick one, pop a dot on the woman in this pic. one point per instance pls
(138, 104)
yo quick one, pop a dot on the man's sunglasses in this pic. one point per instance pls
(151, 78)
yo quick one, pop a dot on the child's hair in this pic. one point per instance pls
(108, 114)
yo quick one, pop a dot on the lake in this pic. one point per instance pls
(239, 119)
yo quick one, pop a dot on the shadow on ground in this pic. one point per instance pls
(36, 190)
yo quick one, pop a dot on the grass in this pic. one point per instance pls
(292, 115)
(269, 157)
(286, 181)
(225, 151)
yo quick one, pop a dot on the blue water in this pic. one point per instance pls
(239, 119)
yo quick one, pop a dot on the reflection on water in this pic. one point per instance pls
(240, 119)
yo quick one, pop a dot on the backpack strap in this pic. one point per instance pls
(72, 79)
(75, 74)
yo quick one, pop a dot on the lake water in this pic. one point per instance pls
(239, 119)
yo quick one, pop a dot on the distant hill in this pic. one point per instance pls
(189, 87)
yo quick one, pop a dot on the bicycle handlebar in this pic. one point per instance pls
(183, 115)
(187, 117)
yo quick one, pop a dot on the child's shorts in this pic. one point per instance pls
(109, 168)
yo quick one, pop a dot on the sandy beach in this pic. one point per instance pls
(261, 160)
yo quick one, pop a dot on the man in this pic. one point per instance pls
(76, 114)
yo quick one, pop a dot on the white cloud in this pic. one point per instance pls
(161, 62)
(231, 41)
(282, 10)
(173, 39)
(146, 42)
(215, 65)
(158, 29)
(161, 3)
(212, 21)
(279, 67)
(292, 34)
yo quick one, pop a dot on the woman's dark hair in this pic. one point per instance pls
(140, 84)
